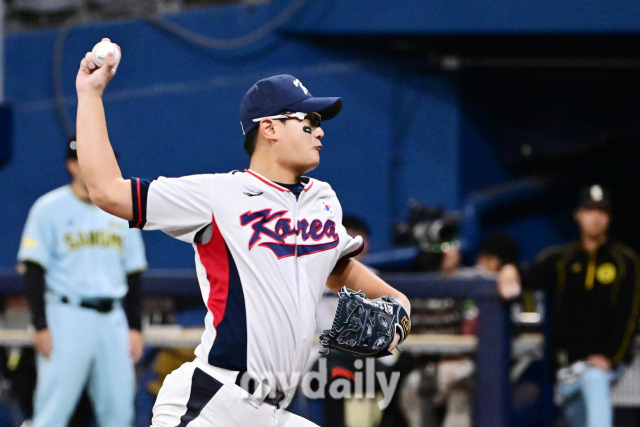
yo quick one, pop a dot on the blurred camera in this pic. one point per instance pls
(429, 228)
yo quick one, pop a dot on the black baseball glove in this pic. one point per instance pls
(365, 327)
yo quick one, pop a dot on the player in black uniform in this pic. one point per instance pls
(593, 285)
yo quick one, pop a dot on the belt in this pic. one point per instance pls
(101, 305)
(274, 398)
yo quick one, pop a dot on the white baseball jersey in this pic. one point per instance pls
(264, 268)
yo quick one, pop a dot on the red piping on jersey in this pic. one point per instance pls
(215, 261)
(139, 203)
(308, 186)
(284, 190)
(354, 253)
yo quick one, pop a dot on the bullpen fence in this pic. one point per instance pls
(492, 347)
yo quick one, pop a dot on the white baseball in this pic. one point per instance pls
(100, 51)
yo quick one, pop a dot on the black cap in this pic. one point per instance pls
(355, 223)
(505, 247)
(71, 149)
(595, 196)
(72, 146)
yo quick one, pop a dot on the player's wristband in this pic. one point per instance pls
(403, 322)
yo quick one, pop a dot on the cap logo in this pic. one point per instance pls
(596, 193)
(298, 83)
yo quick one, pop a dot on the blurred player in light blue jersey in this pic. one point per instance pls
(83, 272)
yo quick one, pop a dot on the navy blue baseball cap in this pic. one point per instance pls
(283, 92)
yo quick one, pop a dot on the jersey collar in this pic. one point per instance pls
(306, 182)
(77, 196)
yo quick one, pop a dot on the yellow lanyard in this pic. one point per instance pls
(591, 272)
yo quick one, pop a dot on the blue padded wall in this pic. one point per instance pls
(172, 109)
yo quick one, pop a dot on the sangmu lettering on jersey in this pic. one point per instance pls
(79, 239)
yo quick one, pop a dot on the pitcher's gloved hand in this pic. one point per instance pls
(365, 327)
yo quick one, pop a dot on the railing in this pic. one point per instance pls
(493, 344)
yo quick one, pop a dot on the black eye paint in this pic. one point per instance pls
(307, 129)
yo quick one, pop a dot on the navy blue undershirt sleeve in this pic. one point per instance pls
(139, 191)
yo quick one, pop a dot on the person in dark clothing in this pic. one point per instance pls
(593, 285)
